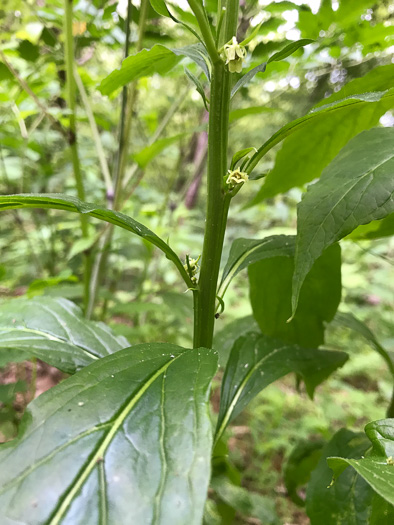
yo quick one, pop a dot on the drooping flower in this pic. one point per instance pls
(234, 54)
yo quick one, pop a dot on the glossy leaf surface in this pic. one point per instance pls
(116, 439)
(257, 361)
(67, 203)
(54, 330)
(270, 282)
(311, 144)
(356, 188)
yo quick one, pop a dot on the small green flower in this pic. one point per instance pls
(236, 177)
(234, 54)
(192, 267)
(390, 460)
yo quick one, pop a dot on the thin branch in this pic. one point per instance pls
(95, 133)
(23, 84)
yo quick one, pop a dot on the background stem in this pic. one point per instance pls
(72, 132)
(129, 97)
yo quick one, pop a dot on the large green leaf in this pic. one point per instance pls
(67, 203)
(257, 360)
(356, 188)
(270, 296)
(244, 252)
(159, 59)
(314, 140)
(348, 500)
(126, 438)
(55, 331)
(377, 468)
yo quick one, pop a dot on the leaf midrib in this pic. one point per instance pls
(86, 471)
(230, 410)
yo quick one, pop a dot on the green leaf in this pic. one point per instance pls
(81, 245)
(245, 79)
(348, 320)
(382, 513)
(160, 7)
(270, 296)
(159, 59)
(123, 439)
(239, 156)
(67, 203)
(247, 503)
(347, 501)
(54, 330)
(356, 188)
(302, 461)
(374, 229)
(377, 469)
(237, 114)
(144, 156)
(199, 87)
(256, 361)
(244, 252)
(224, 338)
(313, 140)
(289, 49)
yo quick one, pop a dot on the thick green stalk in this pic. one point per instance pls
(202, 19)
(217, 199)
(72, 131)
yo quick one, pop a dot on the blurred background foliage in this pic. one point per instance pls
(140, 294)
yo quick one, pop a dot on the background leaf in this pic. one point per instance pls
(244, 252)
(54, 330)
(348, 320)
(126, 442)
(159, 59)
(270, 283)
(67, 203)
(247, 503)
(312, 144)
(289, 49)
(356, 188)
(257, 360)
(348, 500)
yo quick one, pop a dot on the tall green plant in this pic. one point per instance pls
(130, 430)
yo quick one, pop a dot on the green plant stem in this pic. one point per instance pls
(202, 19)
(95, 133)
(390, 410)
(72, 133)
(218, 200)
(129, 97)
